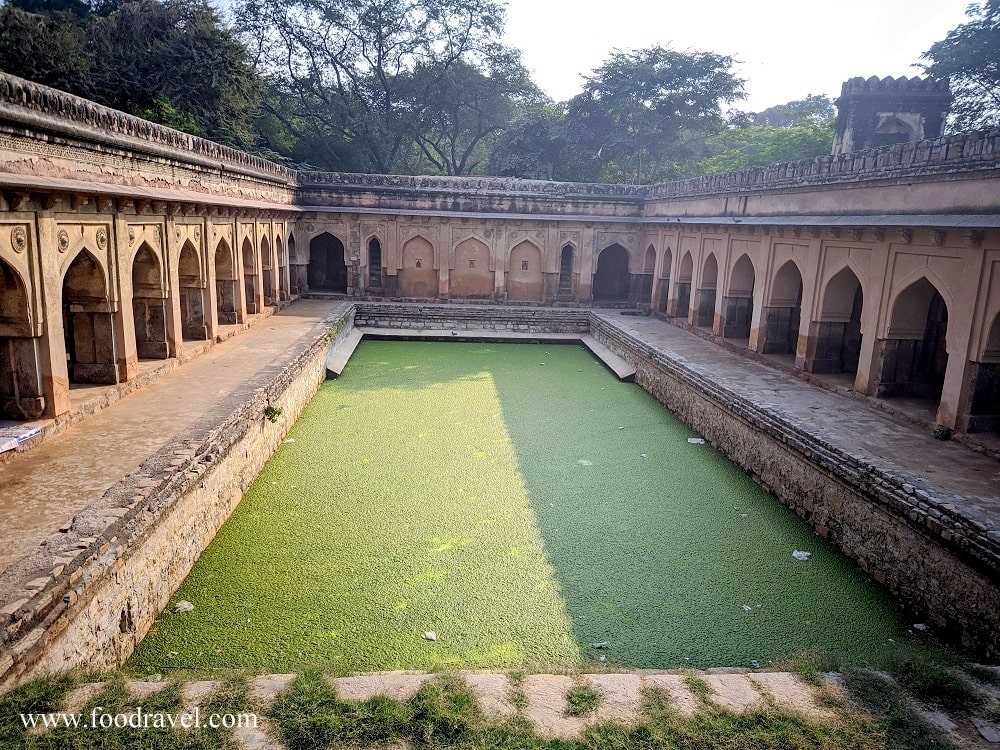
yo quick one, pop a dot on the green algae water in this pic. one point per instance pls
(521, 503)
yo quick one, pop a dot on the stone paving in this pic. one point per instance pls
(894, 444)
(43, 488)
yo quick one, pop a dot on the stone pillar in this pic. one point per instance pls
(585, 268)
(55, 373)
(211, 283)
(121, 272)
(175, 319)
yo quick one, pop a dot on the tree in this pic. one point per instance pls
(46, 48)
(814, 109)
(969, 56)
(639, 108)
(348, 68)
(735, 149)
(467, 107)
(173, 62)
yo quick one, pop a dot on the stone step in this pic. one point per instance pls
(545, 704)
(616, 364)
(338, 356)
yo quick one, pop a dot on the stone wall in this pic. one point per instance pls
(942, 567)
(465, 318)
(109, 574)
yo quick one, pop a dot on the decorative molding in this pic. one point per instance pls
(19, 239)
(62, 240)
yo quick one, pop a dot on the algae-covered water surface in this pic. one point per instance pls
(522, 504)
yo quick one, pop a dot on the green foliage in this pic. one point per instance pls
(582, 700)
(47, 48)
(637, 110)
(904, 729)
(272, 412)
(444, 709)
(432, 487)
(364, 74)
(734, 149)
(171, 62)
(36, 697)
(813, 110)
(969, 56)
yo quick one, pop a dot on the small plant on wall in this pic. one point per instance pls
(272, 412)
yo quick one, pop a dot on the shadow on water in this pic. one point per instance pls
(662, 548)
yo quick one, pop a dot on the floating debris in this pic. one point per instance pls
(801, 555)
(430, 635)
(747, 608)
(920, 627)
(290, 440)
(600, 644)
(183, 606)
(696, 441)
(754, 664)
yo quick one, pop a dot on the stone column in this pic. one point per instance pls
(55, 373)
(121, 267)
(175, 319)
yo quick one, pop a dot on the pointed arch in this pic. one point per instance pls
(374, 263)
(783, 312)
(297, 273)
(192, 289)
(418, 278)
(706, 292)
(835, 338)
(566, 264)
(20, 370)
(15, 314)
(914, 354)
(682, 287)
(327, 264)
(666, 269)
(226, 279)
(249, 277)
(471, 275)
(525, 282)
(739, 301)
(87, 322)
(612, 279)
(267, 272)
(149, 304)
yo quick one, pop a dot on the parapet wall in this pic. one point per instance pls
(941, 566)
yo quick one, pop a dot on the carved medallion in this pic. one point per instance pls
(197, 234)
(131, 236)
(63, 240)
(102, 238)
(19, 239)
(310, 227)
(177, 234)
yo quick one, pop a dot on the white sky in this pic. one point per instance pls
(787, 48)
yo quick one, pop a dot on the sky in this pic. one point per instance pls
(787, 48)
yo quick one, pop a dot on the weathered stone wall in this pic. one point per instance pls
(116, 566)
(942, 567)
(465, 318)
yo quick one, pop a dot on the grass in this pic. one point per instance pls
(523, 504)
(582, 700)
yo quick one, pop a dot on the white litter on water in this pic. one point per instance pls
(430, 635)
(747, 608)
(183, 606)
(801, 555)
(696, 441)
(290, 440)
(920, 627)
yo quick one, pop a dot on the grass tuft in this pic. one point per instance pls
(444, 709)
(699, 688)
(39, 696)
(582, 700)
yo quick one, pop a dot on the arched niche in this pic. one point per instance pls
(226, 281)
(706, 292)
(783, 313)
(418, 278)
(612, 279)
(566, 273)
(87, 322)
(20, 366)
(525, 281)
(149, 304)
(327, 264)
(835, 339)
(913, 357)
(192, 291)
(738, 304)
(249, 277)
(471, 275)
(374, 264)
